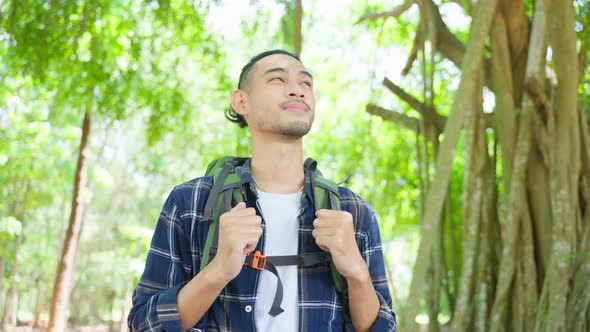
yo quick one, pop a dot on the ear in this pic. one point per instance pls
(238, 102)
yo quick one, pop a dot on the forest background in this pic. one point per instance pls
(464, 123)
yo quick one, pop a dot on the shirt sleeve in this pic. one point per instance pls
(166, 271)
(370, 246)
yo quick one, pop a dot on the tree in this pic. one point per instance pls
(522, 269)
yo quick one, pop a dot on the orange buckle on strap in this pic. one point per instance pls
(256, 261)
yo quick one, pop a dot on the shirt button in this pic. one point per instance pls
(248, 308)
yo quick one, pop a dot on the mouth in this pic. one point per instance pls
(296, 107)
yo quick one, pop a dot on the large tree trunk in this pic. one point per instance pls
(65, 269)
(565, 170)
(437, 192)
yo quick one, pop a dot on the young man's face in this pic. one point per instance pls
(279, 97)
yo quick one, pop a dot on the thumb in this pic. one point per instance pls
(239, 206)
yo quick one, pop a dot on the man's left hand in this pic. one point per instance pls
(334, 233)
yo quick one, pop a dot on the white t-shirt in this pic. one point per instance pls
(280, 212)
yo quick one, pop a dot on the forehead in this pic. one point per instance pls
(278, 61)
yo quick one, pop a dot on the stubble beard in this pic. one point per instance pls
(295, 129)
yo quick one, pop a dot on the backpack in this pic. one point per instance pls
(226, 193)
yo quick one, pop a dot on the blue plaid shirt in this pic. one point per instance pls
(175, 256)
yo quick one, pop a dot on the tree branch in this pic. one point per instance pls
(450, 46)
(413, 52)
(397, 11)
(428, 113)
(395, 117)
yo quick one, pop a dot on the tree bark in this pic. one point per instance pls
(298, 36)
(517, 192)
(517, 28)
(565, 169)
(435, 198)
(502, 81)
(65, 269)
(474, 187)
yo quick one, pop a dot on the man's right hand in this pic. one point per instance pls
(239, 232)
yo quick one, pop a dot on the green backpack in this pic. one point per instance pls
(226, 193)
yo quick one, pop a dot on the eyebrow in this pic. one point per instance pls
(283, 70)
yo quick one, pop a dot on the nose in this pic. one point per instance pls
(297, 95)
(296, 91)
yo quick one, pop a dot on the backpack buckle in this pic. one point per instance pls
(256, 261)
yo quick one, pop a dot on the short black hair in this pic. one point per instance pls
(230, 113)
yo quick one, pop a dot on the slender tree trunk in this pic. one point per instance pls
(578, 310)
(565, 169)
(65, 269)
(9, 317)
(298, 17)
(38, 305)
(2, 272)
(476, 161)
(502, 81)
(11, 307)
(489, 251)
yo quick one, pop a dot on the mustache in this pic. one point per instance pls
(301, 101)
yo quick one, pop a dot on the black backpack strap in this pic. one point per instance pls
(259, 262)
(306, 260)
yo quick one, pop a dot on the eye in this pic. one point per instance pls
(308, 83)
(277, 79)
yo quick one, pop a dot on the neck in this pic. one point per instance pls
(277, 165)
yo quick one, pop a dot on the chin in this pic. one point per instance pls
(296, 130)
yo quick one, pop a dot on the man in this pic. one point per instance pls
(275, 100)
